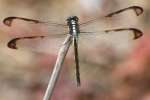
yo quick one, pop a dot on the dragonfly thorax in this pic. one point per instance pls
(73, 25)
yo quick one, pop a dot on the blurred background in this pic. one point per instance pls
(113, 67)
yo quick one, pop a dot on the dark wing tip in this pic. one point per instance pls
(12, 43)
(137, 33)
(8, 20)
(138, 10)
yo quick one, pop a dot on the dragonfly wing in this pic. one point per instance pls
(114, 37)
(137, 9)
(41, 43)
(32, 26)
(120, 17)
(134, 31)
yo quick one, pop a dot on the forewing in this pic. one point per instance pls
(124, 17)
(20, 25)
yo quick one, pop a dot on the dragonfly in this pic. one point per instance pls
(73, 28)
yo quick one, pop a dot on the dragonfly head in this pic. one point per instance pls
(72, 18)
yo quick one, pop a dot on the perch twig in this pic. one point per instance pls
(58, 65)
